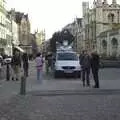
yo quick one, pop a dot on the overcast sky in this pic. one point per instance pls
(51, 15)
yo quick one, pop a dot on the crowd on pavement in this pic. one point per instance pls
(88, 62)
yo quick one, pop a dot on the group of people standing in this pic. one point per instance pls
(19, 61)
(89, 62)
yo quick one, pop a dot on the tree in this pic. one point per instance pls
(59, 37)
(66, 35)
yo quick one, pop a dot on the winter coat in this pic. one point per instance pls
(85, 61)
(39, 63)
(95, 61)
(16, 61)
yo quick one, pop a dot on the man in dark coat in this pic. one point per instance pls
(95, 68)
(48, 59)
(85, 63)
(16, 65)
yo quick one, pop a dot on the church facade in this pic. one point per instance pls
(102, 28)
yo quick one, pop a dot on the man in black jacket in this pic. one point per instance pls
(16, 65)
(95, 68)
(85, 63)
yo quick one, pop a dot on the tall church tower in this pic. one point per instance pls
(98, 16)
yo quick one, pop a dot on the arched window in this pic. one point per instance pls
(111, 18)
(114, 43)
(104, 44)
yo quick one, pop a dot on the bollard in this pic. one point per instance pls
(7, 72)
(23, 86)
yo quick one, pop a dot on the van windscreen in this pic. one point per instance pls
(67, 56)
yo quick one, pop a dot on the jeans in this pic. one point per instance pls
(95, 76)
(85, 76)
(39, 75)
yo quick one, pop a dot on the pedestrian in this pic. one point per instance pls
(95, 68)
(25, 60)
(85, 64)
(16, 65)
(48, 62)
(39, 66)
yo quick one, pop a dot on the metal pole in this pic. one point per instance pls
(23, 85)
(7, 72)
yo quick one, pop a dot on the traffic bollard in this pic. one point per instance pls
(23, 86)
(7, 72)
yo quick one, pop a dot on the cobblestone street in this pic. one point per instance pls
(61, 99)
(79, 107)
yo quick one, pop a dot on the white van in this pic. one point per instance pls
(66, 62)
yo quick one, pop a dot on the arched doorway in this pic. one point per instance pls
(114, 43)
(104, 48)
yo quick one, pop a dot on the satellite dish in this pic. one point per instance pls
(65, 43)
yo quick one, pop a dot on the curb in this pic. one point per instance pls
(75, 92)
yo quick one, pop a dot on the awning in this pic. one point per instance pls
(20, 49)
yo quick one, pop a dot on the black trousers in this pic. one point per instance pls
(85, 76)
(95, 76)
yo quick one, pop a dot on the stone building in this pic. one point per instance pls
(34, 45)
(3, 41)
(40, 39)
(23, 23)
(75, 28)
(8, 32)
(101, 27)
(79, 35)
(109, 43)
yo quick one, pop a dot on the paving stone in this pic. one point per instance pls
(86, 104)
(90, 107)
